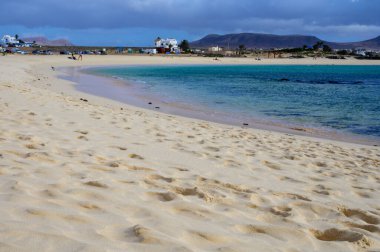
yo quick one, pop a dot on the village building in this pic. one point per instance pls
(9, 40)
(215, 49)
(360, 51)
(149, 51)
(169, 45)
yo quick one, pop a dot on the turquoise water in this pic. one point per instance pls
(343, 98)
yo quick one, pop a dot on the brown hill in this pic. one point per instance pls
(267, 41)
(45, 42)
(368, 44)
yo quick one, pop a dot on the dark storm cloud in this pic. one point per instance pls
(274, 16)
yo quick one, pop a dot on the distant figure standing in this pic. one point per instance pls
(73, 57)
(80, 57)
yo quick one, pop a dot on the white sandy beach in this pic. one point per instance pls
(106, 176)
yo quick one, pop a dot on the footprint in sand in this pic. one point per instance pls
(187, 191)
(271, 165)
(283, 211)
(25, 137)
(179, 169)
(321, 189)
(192, 210)
(31, 146)
(89, 206)
(203, 237)
(83, 132)
(209, 197)
(368, 227)
(231, 163)
(292, 196)
(135, 156)
(164, 197)
(96, 184)
(83, 138)
(334, 234)
(141, 234)
(114, 164)
(39, 156)
(159, 177)
(292, 180)
(363, 194)
(276, 232)
(139, 168)
(211, 148)
(360, 214)
(291, 157)
(119, 147)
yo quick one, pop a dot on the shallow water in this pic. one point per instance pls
(344, 98)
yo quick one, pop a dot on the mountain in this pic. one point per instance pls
(266, 41)
(368, 44)
(45, 42)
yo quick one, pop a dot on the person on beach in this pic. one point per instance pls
(73, 57)
(80, 57)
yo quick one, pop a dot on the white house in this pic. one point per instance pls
(149, 51)
(215, 49)
(7, 39)
(360, 51)
(166, 45)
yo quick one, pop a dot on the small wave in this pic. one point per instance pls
(117, 78)
(320, 81)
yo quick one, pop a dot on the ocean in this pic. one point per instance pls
(334, 98)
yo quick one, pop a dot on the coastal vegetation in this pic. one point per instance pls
(185, 46)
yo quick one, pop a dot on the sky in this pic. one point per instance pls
(139, 22)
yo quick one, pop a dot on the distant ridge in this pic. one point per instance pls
(45, 42)
(267, 41)
(368, 44)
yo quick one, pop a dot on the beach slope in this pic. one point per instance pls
(83, 173)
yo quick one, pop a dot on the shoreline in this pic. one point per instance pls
(82, 172)
(127, 95)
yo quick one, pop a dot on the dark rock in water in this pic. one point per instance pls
(295, 114)
(245, 124)
(121, 108)
(149, 103)
(157, 107)
(85, 100)
(317, 82)
(358, 82)
(333, 82)
(284, 79)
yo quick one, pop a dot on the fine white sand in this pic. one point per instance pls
(105, 176)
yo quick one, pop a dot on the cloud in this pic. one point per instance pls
(198, 16)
